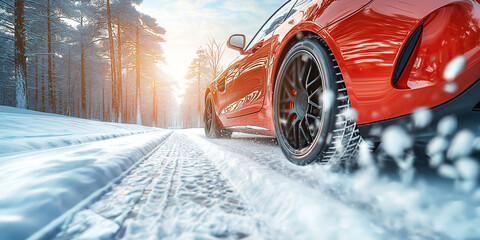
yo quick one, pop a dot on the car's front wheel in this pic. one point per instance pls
(312, 110)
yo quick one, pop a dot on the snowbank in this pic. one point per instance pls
(25, 130)
(42, 185)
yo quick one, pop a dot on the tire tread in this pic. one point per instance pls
(345, 135)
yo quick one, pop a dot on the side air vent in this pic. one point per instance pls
(477, 107)
(406, 54)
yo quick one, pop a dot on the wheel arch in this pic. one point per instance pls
(207, 91)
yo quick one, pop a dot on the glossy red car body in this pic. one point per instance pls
(367, 38)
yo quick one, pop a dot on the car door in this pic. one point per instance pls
(247, 92)
(224, 85)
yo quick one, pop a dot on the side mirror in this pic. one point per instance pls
(237, 42)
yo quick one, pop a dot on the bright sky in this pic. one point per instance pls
(190, 24)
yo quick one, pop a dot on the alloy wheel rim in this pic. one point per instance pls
(300, 106)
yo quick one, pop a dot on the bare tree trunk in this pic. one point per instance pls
(127, 114)
(89, 106)
(137, 92)
(20, 59)
(50, 60)
(103, 101)
(154, 104)
(69, 105)
(199, 100)
(119, 75)
(82, 76)
(36, 83)
(112, 64)
(43, 93)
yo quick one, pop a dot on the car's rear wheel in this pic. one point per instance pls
(212, 127)
(312, 111)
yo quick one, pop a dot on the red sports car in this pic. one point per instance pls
(321, 74)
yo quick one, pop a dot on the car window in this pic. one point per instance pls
(299, 5)
(276, 19)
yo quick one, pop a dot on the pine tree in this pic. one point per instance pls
(20, 58)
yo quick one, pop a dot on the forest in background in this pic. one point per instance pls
(92, 59)
(97, 59)
(203, 69)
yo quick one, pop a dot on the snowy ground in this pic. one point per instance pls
(163, 184)
(23, 130)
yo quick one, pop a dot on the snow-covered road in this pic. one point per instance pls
(176, 193)
(146, 183)
(198, 188)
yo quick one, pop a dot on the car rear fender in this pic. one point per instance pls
(369, 45)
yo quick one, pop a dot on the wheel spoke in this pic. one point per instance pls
(288, 89)
(290, 129)
(313, 81)
(312, 116)
(295, 136)
(313, 93)
(290, 80)
(308, 74)
(307, 137)
(302, 75)
(311, 103)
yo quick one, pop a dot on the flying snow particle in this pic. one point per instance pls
(338, 144)
(454, 68)
(450, 87)
(395, 141)
(299, 35)
(328, 99)
(376, 131)
(467, 168)
(476, 144)
(437, 145)
(350, 113)
(447, 125)
(435, 160)
(305, 57)
(10, 218)
(462, 145)
(365, 158)
(422, 117)
(447, 171)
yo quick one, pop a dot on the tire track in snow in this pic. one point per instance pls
(176, 193)
(103, 218)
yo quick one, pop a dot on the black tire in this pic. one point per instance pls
(308, 128)
(212, 127)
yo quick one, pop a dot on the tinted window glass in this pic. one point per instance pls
(299, 5)
(276, 19)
